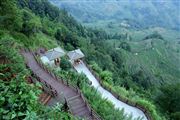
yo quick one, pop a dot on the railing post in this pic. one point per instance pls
(52, 75)
(55, 92)
(50, 87)
(61, 79)
(58, 79)
(45, 84)
(66, 105)
(67, 83)
(92, 114)
(38, 79)
(55, 77)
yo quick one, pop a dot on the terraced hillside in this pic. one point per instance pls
(160, 58)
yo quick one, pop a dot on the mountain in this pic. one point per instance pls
(136, 14)
(135, 59)
(34, 24)
(136, 23)
(143, 52)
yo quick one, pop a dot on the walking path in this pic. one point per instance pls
(106, 94)
(75, 101)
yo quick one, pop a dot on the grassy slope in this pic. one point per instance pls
(159, 58)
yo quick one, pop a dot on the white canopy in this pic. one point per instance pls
(75, 54)
(55, 53)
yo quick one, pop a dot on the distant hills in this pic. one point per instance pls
(129, 13)
(157, 54)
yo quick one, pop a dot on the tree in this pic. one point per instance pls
(31, 23)
(117, 58)
(141, 79)
(154, 35)
(125, 46)
(107, 76)
(65, 64)
(96, 67)
(10, 16)
(61, 33)
(168, 99)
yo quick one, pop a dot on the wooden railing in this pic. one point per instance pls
(142, 108)
(53, 92)
(93, 113)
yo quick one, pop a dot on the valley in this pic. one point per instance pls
(129, 66)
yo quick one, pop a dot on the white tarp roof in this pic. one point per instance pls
(55, 53)
(75, 54)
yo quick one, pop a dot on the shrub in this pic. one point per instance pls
(95, 67)
(65, 64)
(154, 35)
(106, 76)
(125, 46)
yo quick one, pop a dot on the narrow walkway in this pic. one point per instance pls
(75, 101)
(135, 112)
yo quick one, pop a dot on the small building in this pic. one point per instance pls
(75, 56)
(52, 57)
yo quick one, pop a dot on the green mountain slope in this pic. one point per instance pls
(33, 24)
(140, 65)
(135, 14)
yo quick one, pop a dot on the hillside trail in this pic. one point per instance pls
(130, 110)
(76, 103)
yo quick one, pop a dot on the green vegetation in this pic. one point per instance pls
(65, 64)
(19, 100)
(154, 35)
(169, 98)
(125, 95)
(99, 104)
(114, 15)
(134, 68)
(38, 29)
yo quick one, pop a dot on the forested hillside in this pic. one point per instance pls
(142, 67)
(34, 24)
(119, 13)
